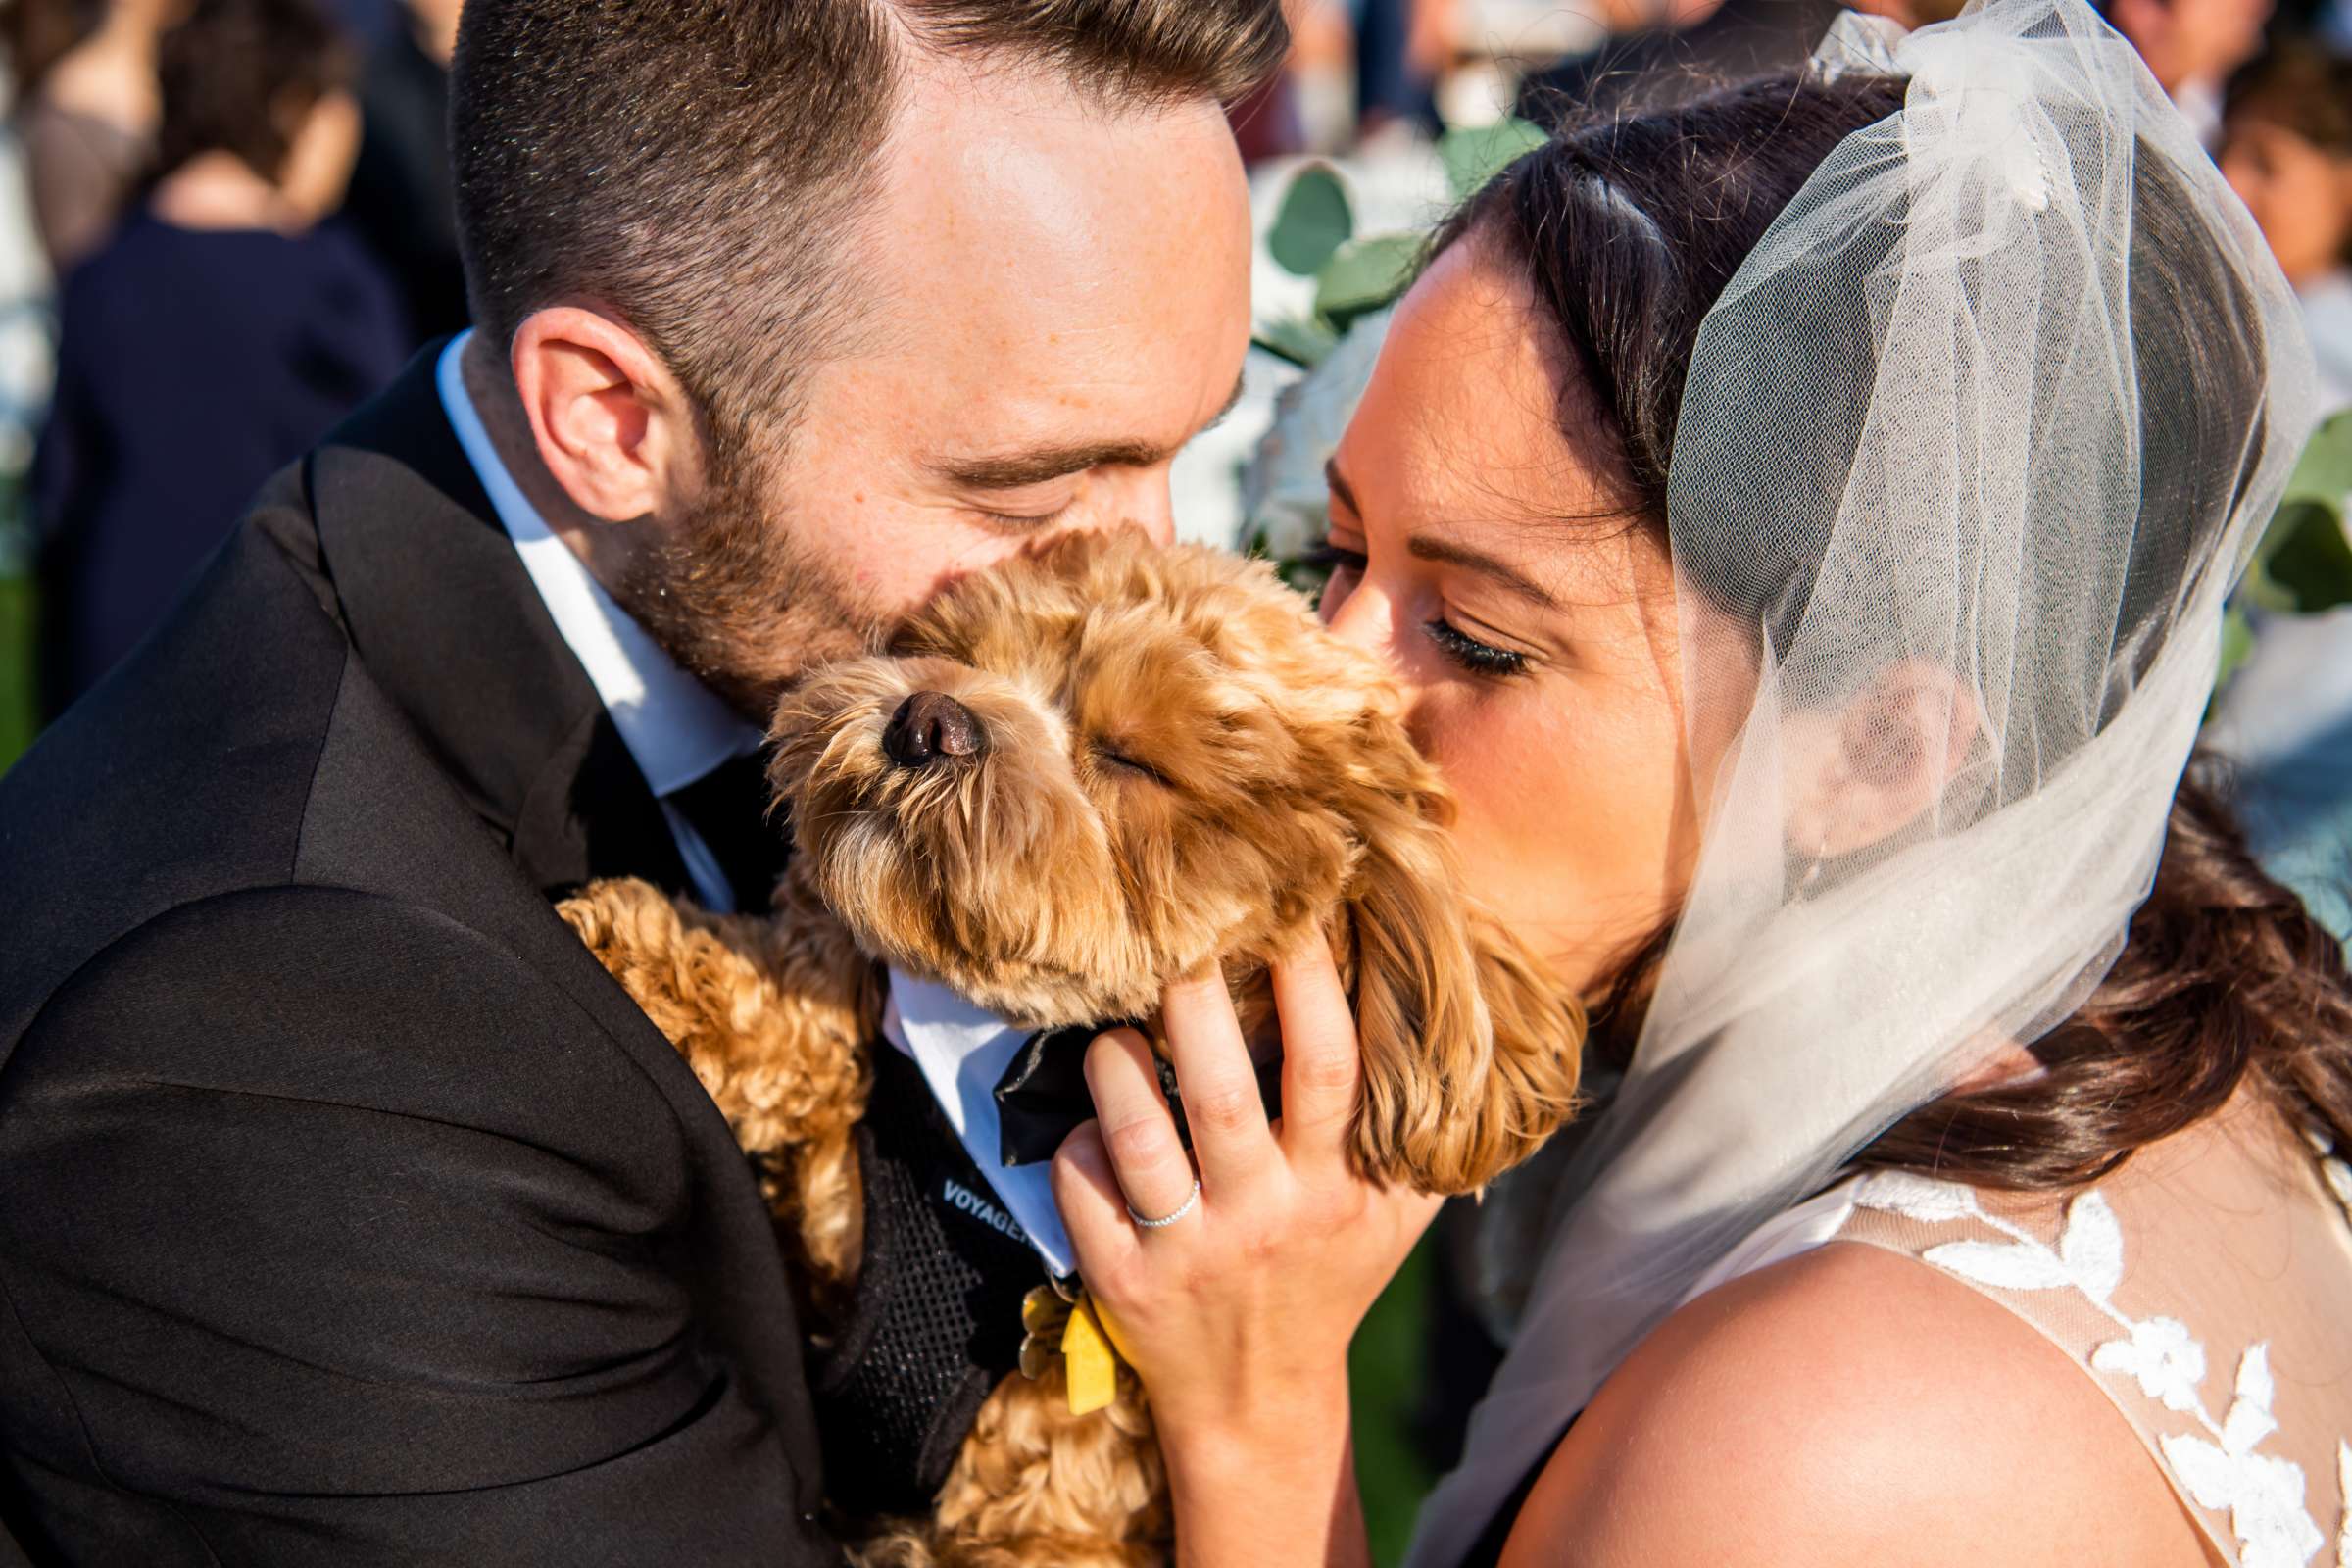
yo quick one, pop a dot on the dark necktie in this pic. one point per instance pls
(729, 807)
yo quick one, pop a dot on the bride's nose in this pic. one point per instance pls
(1361, 616)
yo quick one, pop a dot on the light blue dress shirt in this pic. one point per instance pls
(677, 728)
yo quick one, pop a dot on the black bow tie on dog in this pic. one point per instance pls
(1043, 1096)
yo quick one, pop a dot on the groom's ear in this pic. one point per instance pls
(613, 425)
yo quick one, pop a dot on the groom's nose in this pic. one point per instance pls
(931, 727)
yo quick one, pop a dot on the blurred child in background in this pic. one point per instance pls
(214, 338)
(2287, 150)
(87, 107)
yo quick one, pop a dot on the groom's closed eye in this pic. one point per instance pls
(1028, 491)
(993, 479)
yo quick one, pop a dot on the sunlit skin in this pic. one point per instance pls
(1537, 638)
(2300, 194)
(1049, 285)
(1844, 1408)
(1049, 297)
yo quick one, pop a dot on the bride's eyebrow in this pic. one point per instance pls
(1444, 552)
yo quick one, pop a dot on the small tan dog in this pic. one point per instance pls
(1071, 780)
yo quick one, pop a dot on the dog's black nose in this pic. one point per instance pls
(930, 726)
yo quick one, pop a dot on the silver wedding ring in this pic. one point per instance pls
(1181, 1210)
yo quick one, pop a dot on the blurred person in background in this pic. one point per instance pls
(402, 203)
(2286, 147)
(2192, 48)
(2284, 719)
(1657, 51)
(27, 309)
(1401, 48)
(88, 106)
(218, 334)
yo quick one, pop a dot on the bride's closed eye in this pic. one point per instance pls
(1478, 658)
(1344, 568)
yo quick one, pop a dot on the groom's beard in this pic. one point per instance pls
(742, 604)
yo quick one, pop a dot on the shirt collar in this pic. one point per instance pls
(961, 1051)
(677, 728)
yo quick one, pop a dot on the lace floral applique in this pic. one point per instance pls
(2333, 1169)
(2264, 1495)
(2223, 1469)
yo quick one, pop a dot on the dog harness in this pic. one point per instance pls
(935, 1323)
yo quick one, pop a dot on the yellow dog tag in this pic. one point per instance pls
(1089, 1365)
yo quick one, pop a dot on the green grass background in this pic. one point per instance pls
(17, 717)
(1385, 1368)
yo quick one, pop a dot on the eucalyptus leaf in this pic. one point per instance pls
(2324, 473)
(1302, 341)
(1314, 221)
(1475, 155)
(2304, 562)
(1365, 276)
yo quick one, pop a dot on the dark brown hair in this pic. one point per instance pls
(1629, 228)
(238, 76)
(2301, 86)
(696, 165)
(38, 33)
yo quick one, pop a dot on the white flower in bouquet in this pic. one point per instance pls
(1286, 507)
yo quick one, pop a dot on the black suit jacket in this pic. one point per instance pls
(350, 1213)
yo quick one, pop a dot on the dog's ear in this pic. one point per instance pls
(1470, 1047)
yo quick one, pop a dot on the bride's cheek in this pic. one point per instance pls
(1480, 751)
(1445, 734)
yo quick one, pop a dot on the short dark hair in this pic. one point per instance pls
(691, 163)
(237, 77)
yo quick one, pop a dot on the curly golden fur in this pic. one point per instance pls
(1161, 761)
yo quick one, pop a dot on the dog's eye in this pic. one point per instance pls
(1110, 757)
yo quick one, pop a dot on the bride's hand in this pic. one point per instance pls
(1238, 1314)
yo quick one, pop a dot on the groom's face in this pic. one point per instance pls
(1046, 299)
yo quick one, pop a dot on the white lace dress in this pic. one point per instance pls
(2206, 1288)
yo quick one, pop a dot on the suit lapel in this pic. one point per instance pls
(447, 621)
(449, 631)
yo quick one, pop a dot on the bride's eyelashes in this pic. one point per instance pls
(1344, 568)
(1466, 651)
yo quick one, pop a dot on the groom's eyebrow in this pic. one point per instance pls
(1014, 470)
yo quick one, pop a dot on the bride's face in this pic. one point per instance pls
(1538, 644)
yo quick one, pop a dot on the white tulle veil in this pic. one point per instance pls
(1987, 421)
